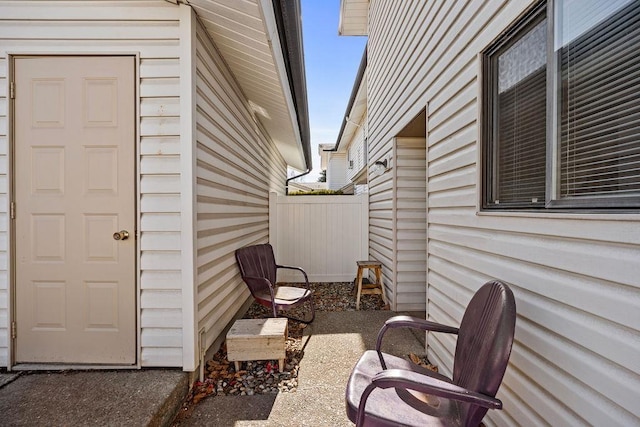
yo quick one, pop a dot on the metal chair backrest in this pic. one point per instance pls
(257, 261)
(484, 344)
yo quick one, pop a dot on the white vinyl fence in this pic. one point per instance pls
(324, 235)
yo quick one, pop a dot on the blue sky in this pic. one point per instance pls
(331, 64)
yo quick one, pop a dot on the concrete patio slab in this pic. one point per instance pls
(152, 397)
(93, 398)
(333, 344)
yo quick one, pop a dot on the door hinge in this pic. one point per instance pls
(12, 210)
(12, 90)
(14, 333)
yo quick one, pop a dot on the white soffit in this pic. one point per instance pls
(239, 30)
(353, 17)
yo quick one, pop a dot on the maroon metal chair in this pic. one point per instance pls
(258, 269)
(385, 390)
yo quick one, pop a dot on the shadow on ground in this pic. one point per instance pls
(332, 345)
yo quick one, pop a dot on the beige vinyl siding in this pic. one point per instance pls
(151, 29)
(360, 189)
(337, 171)
(410, 214)
(356, 154)
(381, 225)
(575, 276)
(237, 167)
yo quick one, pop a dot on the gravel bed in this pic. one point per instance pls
(262, 377)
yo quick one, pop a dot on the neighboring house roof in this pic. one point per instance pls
(307, 186)
(261, 42)
(356, 107)
(322, 151)
(353, 17)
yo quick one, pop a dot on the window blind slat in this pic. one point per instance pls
(600, 109)
(521, 127)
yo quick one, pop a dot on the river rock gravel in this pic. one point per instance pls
(261, 377)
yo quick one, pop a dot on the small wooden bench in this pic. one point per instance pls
(257, 339)
(368, 289)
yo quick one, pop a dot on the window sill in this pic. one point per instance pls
(590, 215)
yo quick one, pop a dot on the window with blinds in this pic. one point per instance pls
(599, 106)
(520, 152)
(591, 86)
(515, 142)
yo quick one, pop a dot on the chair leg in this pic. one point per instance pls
(303, 320)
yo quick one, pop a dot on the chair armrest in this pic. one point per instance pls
(306, 279)
(255, 283)
(417, 323)
(409, 322)
(416, 381)
(400, 378)
(258, 282)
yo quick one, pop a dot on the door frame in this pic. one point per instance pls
(11, 244)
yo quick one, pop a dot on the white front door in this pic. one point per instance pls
(74, 187)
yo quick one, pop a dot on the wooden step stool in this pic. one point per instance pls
(373, 288)
(257, 339)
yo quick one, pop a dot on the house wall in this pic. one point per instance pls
(360, 189)
(337, 171)
(410, 226)
(575, 276)
(357, 154)
(151, 29)
(381, 214)
(237, 167)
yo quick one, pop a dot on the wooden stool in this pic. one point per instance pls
(369, 289)
(257, 339)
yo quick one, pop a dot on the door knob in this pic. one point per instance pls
(121, 235)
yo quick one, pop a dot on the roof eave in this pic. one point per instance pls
(289, 24)
(352, 99)
(260, 42)
(353, 18)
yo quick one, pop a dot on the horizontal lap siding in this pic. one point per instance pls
(237, 166)
(410, 224)
(356, 154)
(381, 228)
(575, 278)
(337, 171)
(380, 187)
(150, 28)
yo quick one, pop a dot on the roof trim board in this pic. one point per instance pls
(261, 43)
(354, 18)
(356, 93)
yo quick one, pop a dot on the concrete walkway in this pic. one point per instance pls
(92, 398)
(333, 344)
(151, 397)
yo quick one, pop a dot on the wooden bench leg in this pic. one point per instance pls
(359, 285)
(237, 365)
(281, 365)
(379, 283)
